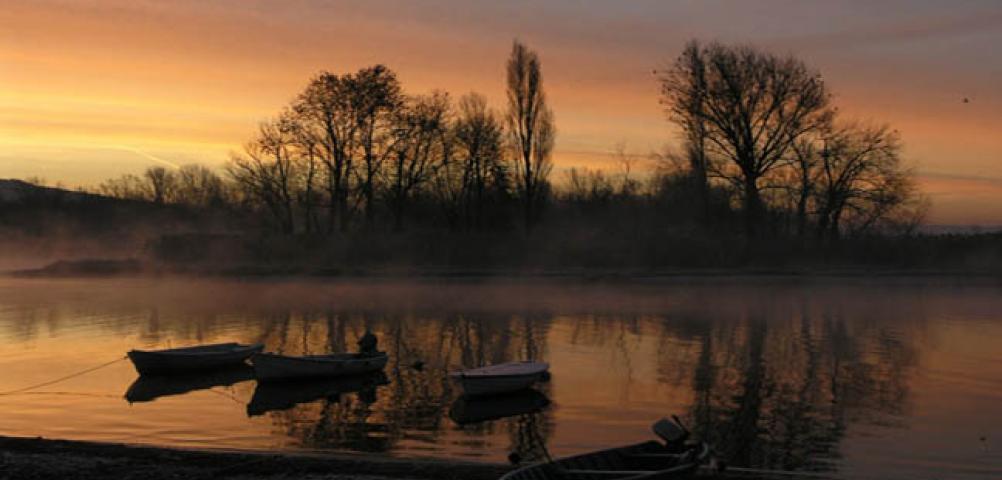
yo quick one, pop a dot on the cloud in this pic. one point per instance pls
(149, 156)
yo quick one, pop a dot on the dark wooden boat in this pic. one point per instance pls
(466, 410)
(187, 359)
(650, 460)
(271, 366)
(276, 396)
(147, 388)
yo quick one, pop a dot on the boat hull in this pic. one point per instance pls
(642, 461)
(484, 386)
(181, 360)
(501, 378)
(274, 367)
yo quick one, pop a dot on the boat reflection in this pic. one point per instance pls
(277, 396)
(147, 388)
(467, 410)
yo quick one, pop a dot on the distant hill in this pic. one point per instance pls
(19, 191)
(23, 204)
(29, 211)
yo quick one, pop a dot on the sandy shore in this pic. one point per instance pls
(36, 458)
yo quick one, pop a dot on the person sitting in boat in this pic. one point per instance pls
(367, 345)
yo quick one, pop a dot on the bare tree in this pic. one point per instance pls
(860, 177)
(753, 108)
(684, 91)
(126, 187)
(589, 188)
(478, 137)
(306, 152)
(531, 129)
(375, 98)
(198, 186)
(326, 103)
(162, 184)
(267, 172)
(627, 185)
(421, 129)
(802, 182)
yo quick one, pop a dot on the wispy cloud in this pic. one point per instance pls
(149, 156)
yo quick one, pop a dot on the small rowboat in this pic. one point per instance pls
(187, 359)
(641, 461)
(650, 460)
(271, 366)
(501, 378)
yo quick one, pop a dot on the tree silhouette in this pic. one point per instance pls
(531, 129)
(749, 106)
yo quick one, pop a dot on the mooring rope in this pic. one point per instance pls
(61, 379)
(71, 394)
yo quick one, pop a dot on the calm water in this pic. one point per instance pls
(868, 379)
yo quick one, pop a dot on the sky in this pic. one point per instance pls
(92, 90)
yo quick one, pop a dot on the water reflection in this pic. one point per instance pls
(147, 388)
(781, 394)
(780, 377)
(278, 396)
(466, 410)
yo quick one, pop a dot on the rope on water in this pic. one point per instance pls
(72, 394)
(226, 395)
(61, 379)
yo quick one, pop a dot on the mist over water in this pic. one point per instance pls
(896, 379)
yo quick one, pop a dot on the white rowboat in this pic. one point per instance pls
(187, 359)
(271, 366)
(501, 378)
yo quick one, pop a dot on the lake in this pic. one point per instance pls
(863, 378)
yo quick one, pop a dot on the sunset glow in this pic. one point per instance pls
(91, 90)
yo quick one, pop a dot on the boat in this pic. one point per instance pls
(187, 359)
(651, 460)
(277, 396)
(500, 378)
(467, 410)
(147, 388)
(272, 366)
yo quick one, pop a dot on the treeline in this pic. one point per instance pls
(764, 127)
(764, 158)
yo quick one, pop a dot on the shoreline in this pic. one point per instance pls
(37, 457)
(80, 269)
(44, 458)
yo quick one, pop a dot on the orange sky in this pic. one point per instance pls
(90, 90)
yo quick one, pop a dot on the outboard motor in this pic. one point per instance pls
(673, 433)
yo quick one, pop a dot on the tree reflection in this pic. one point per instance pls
(778, 389)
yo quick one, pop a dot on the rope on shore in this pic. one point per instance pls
(62, 379)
